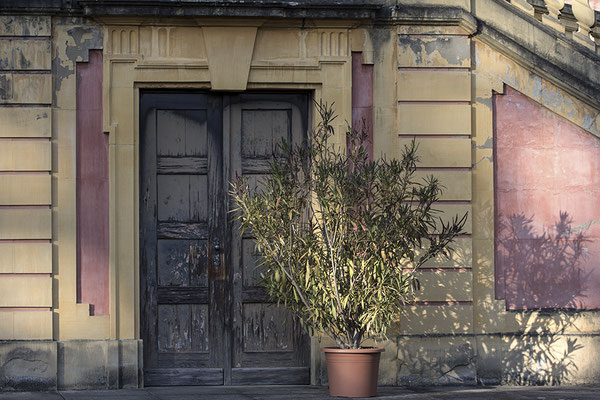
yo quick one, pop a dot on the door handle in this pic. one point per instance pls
(217, 253)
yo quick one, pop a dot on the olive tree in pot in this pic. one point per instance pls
(341, 237)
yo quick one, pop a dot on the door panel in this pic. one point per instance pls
(205, 320)
(181, 175)
(265, 336)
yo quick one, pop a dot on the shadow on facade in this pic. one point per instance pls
(542, 271)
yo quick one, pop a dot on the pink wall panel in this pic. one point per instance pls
(547, 214)
(362, 97)
(92, 189)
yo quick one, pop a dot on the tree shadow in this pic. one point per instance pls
(542, 271)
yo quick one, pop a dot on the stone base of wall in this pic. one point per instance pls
(499, 359)
(73, 364)
(493, 359)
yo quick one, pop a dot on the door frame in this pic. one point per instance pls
(140, 65)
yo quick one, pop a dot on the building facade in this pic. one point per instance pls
(121, 124)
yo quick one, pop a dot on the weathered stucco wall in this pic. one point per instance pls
(434, 72)
(25, 178)
(546, 227)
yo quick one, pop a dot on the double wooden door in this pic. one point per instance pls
(204, 318)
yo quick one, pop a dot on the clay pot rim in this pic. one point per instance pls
(366, 350)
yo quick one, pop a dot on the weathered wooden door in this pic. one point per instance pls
(204, 320)
(268, 346)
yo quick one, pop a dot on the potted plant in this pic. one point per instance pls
(341, 237)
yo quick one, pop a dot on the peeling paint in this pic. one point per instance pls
(25, 63)
(488, 158)
(536, 88)
(510, 79)
(76, 48)
(552, 98)
(379, 39)
(5, 83)
(60, 71)
(489, 144)
(590, 123)
(85, 39)
(442, 51)
(485, 101)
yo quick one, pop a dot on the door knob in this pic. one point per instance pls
(216, 253)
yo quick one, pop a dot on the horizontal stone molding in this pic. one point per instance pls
(25, 325)
(444, 285)
(424, 85)
(20, 88)
(26, 291)
(450, 211)
(30, 223)
(24, 25)
(434, 119)
(25, 257)
(31, 122)
(25, 189)
(23, 54)
(437, 319)
(25, 155)
(456, 184)
(439, 51)
(461, 257)
(441, 152)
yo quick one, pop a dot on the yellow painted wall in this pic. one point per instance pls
(432, 83)
(25, 179)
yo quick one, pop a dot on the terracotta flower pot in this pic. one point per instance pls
(352, 372)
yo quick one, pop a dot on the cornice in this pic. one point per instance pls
(434, 16)
(551, 54)
(539, 48)
(314, 9)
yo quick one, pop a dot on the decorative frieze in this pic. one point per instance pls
(333, 43)
(123, 41)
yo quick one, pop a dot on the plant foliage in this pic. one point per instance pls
(341, 236)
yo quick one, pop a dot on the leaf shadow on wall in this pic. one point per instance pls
(543, 271)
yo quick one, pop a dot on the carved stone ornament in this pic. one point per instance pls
(554, 7)
(551, 19)
(584, 14)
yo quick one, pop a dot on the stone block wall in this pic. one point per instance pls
(79, 364)
(25, 178)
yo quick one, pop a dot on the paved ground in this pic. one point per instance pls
(315, 393)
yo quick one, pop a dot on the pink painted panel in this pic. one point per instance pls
(362, 97)
(547, 213)
(92, 189)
